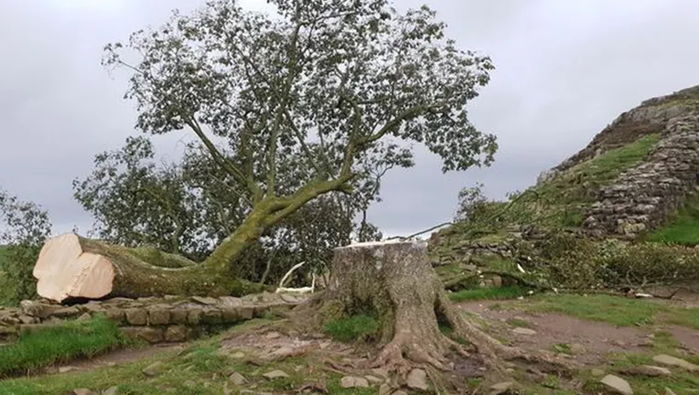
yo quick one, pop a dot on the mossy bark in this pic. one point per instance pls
(397, 282)
(148, 272)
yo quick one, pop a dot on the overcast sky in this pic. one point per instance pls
(565, 69)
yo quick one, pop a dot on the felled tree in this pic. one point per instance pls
(313, 93)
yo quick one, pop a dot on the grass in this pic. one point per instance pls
(59, 343)
(607, 308)
(202, 368)
(684, 228)
(357, 327)
(501, 293)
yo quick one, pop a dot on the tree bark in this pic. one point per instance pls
(396, 283)
(70, 266)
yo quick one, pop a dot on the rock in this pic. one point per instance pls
(617, 384)
(238, 355)
(673, 361)
(501, 388)
(648, 370)
(84, 317)
(111, 391)
(669, 391)
(385, 389)
(150, 334)
(417, 379)
(597, 372)
(373, 379)
(66, 369)
(237, 379)
(205, 300)
(83, 391)
(153, 369)
(136, 316)
(399, 392)
(354, 382)
(524, 331)
(158, 316)
(176, 333)
(275, 374)
(577, 348)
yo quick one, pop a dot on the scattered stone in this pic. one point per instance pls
(617, 384)
(417, 379)
(354, 382)
(275, 374)
(66, 369)
(577, 348)
(648, 370)
(273, 335)
(597, 372)
(381, 372)
(669, 391)
(238, 355)
(237, 379)
(373, 379)
(83, 391)
(153, 369)
(673, 361)
(385, 389)
(501, 388)
(524, 331)
(111, 391)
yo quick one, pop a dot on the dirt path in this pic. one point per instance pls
(585, 341)
(116, 357)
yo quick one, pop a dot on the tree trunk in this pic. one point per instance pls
(395, 282)
(70, 266)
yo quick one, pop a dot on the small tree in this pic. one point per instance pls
(26, 228)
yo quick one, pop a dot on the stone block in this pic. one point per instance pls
(211, 316)
(116, 315)
(147, 333)
(194, 316)
(137, 316)
(178, 316)
(176, 333)
(158, 316)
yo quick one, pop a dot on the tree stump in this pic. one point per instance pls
(396, 282)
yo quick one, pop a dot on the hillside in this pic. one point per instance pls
(636, 181)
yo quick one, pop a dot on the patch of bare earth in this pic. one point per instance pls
(117, 357)
(586, 342)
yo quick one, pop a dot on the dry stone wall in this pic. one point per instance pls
(155, 320)
(643, 197)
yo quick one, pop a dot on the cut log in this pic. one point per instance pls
(65, 270)
(70, 266)
(395, 282)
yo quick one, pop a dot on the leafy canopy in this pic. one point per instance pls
(318, 93)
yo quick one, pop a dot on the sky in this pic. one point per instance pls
(565, 69)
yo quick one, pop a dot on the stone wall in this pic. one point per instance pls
(155, 320)
(644, 197)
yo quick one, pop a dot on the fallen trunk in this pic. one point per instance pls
(70, 266)
(395, 282)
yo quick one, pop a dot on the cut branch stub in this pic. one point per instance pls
(65, 270)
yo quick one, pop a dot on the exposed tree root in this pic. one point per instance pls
(396, 282)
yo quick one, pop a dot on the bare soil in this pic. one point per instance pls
(586, 342)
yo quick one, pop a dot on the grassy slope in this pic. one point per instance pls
(683, 227)
(59, 343)
(562, 200)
